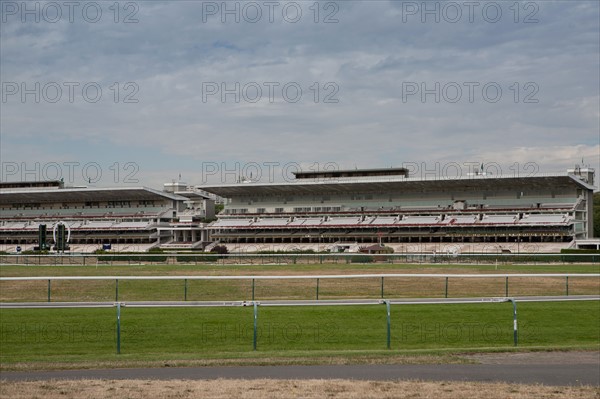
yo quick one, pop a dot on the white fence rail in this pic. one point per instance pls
(317, 278)
(290, 258)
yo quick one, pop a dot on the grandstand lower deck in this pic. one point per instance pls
(440, 248)
(455, 228)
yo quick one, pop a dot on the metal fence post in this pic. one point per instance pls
(252, 289)
(515, 331)
(382, 287)
(49, 290)
(446, 292)
(506, 287)
(389, 325)
(317, 289)
(254, 338)
(118, 328)
(116, 290)
(185, 290)
(567, 285)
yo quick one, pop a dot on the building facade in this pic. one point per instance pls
(354, 208)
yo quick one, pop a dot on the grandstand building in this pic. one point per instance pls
(126, 218)
(350, 209)
(342, 210)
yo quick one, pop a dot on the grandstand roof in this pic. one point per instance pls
(43, 184)
(351, 173)
(192, 194)
(22, 196)
(397, 184)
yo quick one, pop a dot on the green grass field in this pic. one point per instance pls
(289, 289)
(64, 338)
(87, 335)
(325, 268)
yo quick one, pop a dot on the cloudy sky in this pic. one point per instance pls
(145, 91)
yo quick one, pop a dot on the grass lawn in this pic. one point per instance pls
(325, 268)
(65, 338)
(288, 289)
(46, 336)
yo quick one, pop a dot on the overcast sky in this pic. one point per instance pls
(148, 91)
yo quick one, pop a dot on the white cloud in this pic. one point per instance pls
(369, 54)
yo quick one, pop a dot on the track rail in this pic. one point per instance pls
(297, 277)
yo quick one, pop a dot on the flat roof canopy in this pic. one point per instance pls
(408, 185)
(84, 195)
(320, 174)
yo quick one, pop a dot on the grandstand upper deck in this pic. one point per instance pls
(82, 195)
(31, 185)
(426, 184)
(346, 203)
(331, 174)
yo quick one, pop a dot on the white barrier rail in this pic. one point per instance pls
(81, 259)
(316, 277)
(296, 277)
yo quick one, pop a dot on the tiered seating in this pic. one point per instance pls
(99, 224)
(460, 219)
(449, 220)
(305, 222)
(232, 223)
(270, 222)
(383, 221)
(14, 225)
(131, 225)
(544, 219)
(498, 219)
(341, 221)
(486, 248)
(250, 248)
(418, 220)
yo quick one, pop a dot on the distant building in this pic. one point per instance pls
(344, 210)
(128, 218)
(337, 210)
